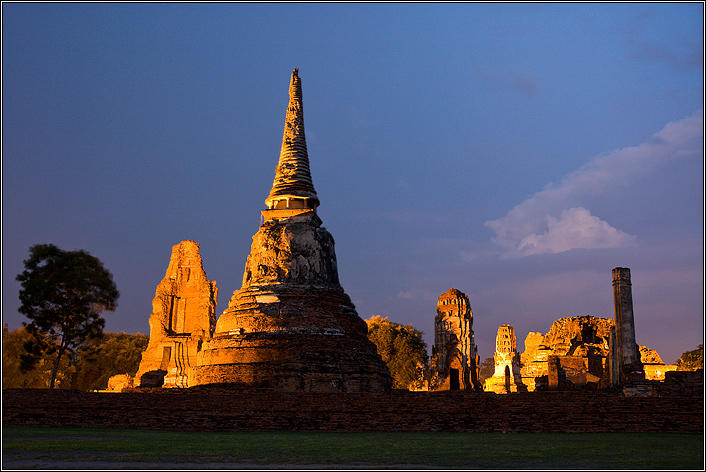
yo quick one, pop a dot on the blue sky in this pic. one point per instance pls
(516, 152)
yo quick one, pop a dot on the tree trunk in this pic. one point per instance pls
(62, 348)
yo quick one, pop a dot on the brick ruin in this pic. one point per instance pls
(455, 362)
(183, 317)
(290, 327)
(507, 377)
(595, 353)
(577, 347)
(578, 352)
(581, 352)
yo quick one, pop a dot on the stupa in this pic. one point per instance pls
(291, 326)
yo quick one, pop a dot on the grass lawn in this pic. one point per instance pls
(434, 449)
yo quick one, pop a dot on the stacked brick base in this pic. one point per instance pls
(213, 409)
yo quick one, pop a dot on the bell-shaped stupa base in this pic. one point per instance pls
(291, 326)
(293, 339)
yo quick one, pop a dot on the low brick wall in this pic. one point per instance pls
(681, 383)
(237, 410)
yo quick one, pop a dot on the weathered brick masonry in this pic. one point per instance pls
(216, 409)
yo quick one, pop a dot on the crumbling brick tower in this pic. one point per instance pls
(455, 361)
(183, 317)
(291, 326)
(628, 355)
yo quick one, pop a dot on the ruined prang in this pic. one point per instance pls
(291, 326)
(183, 317)
(507, 377)
(628, 354)
(455, 361)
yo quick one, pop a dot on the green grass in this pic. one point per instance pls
(433, 449)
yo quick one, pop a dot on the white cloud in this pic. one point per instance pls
(576, 228)
(541, 223)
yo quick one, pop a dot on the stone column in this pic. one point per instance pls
(628, 355)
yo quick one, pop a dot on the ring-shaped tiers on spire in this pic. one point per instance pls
(292, 187)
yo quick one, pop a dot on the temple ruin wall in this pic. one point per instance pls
(677, 407)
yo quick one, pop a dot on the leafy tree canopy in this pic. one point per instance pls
(63, 294)
(402, 349)
(692, 360)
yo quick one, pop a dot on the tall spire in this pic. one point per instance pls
(292, 187)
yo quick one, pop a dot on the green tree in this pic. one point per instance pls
(98, 360)
(692, 360)
(63, 294)
(402, 349)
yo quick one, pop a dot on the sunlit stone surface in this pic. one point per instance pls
(507, 377)
(652, 363)
(292, 187)
(582, 343)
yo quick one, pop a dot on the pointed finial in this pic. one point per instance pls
(292, 187)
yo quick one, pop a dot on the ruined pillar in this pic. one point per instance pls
(628, 354)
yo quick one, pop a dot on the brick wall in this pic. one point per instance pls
(681, 383)
(213, 409)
